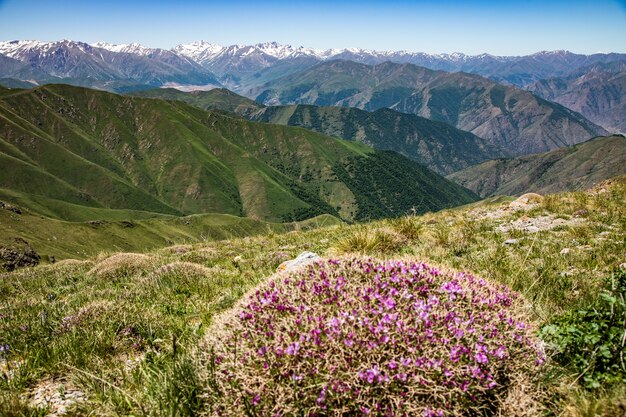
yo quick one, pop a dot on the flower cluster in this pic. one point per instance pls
(382, 338)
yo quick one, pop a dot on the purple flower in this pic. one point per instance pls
(293, 349)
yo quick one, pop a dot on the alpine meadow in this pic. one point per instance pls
(312, 209)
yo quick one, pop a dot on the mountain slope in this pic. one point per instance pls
(13, 68)
(217, 98)
(573, 168)
(82, 64)
(597, 92)
(436, 145)
(103, 151)
(505, 116)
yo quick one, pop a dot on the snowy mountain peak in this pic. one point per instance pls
(199, 51)
(19, 49)
(275, 49)
(131, 48)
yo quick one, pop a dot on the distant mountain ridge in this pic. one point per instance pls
(241, 67)
(572, 168)
(79, 63)
(507, 117)
(598, 92)
(518, 70)
(436, 145)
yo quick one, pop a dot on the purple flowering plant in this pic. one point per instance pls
(366, 337)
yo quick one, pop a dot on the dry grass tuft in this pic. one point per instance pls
(177, 249)
(598, 403)
(409, 226)
(368, 240)
(206, 255)
(122, 265)
(179, 273)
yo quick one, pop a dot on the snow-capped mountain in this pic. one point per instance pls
(131, 48)
(236, 61)
(241, 67)
(114, 67)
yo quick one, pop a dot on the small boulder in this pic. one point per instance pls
(17, 253)
(530, 198)
(304, 258)
(10, 207)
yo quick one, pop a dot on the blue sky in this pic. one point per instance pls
(497, 27)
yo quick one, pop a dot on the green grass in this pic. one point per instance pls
(104, 151)
(81, 322)
(62, 239)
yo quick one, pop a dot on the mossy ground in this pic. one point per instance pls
(127, 338)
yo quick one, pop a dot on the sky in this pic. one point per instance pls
(486, 26)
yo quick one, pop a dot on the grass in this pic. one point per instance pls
(70, 153)
(66, 240)
(130, 340)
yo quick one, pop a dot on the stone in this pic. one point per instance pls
(17, 253)
(305, 258)
(565, 251)
(511, 242)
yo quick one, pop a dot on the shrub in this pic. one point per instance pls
(590, 341)
(363, 337)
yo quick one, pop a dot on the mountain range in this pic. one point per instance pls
(507, 117)
(265, 60)
(257, 71)
(439, 146)
(79, 63)
(244, 66)
(571, 168)
(77, 154)
(597, 92)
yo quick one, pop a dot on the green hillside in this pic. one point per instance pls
(70, 152)
(572, 168)
(437, 145)
(79, 239)
(217, 98)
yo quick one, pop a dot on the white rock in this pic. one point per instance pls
(304, 258)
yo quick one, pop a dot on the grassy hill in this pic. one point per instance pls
(217, 98)
(436, 145)
(113, 231)
(572, 168)
(97, 150)
(126, 333)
